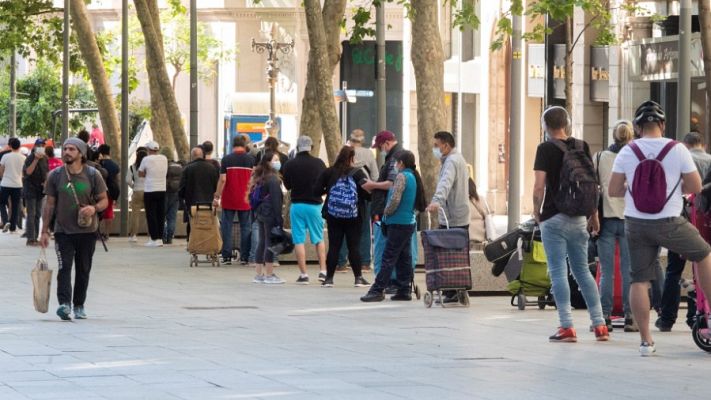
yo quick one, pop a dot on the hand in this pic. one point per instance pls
(44, 240)
(39, 155)
(216, 202)
(432, 207)
(594, 225)
(537, 217)
(368, 185)
(87, 211)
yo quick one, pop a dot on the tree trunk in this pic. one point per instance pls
(705, 20)
(151, 28)
(310, 124)
(321, 73)
(99, 81)
(428, 63)
(569, 67)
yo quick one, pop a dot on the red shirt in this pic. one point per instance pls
(54, 162)
(237, 167)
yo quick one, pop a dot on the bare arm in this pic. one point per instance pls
(617, 186)
(371, 185)
(691, 183)
(539, 190)
(220, 186)
(31, 168)
(46, 217)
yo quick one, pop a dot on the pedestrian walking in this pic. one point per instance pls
(231, 195)
(112, 185)
(342, 184)
(266, 200)
(300, 174)
(198, 183)
(137, 183)
(405, 198)
(11, 166)
(612, 230)
(172, 202)
(35, 173)
(76, 193)
(154, 167)
(562, 208)
(452, 192)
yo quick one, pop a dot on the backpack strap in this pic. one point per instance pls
(666, 149)
(637, 152)
(561, 145)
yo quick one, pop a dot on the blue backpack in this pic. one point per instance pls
(343, 198)
(255, 197)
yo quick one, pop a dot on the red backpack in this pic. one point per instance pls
(649, 187)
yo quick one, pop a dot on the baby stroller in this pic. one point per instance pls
(700, 331)
(526, 270)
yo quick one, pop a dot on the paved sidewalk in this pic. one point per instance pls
(160, 330)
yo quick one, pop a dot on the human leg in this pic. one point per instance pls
(555, 245)
(404, 262)
(171, 214)
(245, 232)
(577, 246)
(34, 210)
(606, 253)
(150, 203)
(366, 239)
(336, 234)
(65, 250)
(4, 197)
(137, 205)
(85, 244)
(352, 231)
(398, 241)
(160, 214)
(671, 294)
(297, 215)
(378, 246)
(226, 221)
(15, 206)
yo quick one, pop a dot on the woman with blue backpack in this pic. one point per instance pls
(404, 199)
(343, 210)
(266, 200)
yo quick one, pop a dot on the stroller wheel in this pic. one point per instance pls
(416, 289)
(703, 342)
(428, 299)
(463, 297)
(541, 302)
(521, 301)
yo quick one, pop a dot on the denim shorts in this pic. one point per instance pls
(306, 217)
(646, 236)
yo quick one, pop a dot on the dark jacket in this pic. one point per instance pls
(387, 173)
(198, 183)
(173, 177)
(270, 208)
(34, 183)
(329, 177)
(300, 175)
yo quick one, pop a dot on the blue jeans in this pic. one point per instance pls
(565, 236)
(397, 258)
(171, 213)
(245, 232)
(613, 231)
(365, 242)
(379, 242)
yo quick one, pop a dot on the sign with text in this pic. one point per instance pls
(600, 74)
(658, 59)
(536, 71)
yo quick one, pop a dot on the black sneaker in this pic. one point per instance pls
(321, 277)
(608, 322)
(327, 283)
(226, 261)
(372, 297)
(361, 282)
(391, 289)
(662, 326)
(401, 297)
(303, 280)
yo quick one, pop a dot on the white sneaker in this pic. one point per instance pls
(646, 349)
(133, 239)
(154, 243)
(273, 280)
(258, 279)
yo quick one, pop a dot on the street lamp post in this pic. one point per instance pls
(272, 47)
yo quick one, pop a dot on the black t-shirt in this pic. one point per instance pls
(549, 159)
(329, 177)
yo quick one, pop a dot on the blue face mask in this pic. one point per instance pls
(276, 165)
(437, 153)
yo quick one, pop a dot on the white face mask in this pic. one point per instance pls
(437, 152)
(276, 165)
(39, 150)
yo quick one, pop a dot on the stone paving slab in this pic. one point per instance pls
(161, 330)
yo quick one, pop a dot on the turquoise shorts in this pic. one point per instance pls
(306, 217)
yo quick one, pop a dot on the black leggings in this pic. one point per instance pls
(265, 241)
(339, 228)
(154, 203)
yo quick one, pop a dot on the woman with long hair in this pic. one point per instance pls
(344, 209)
(478, 210)
(266, 199)
(136, 183)
(404, 199)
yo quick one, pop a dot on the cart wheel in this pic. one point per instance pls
(463, 297)
(193, 261)
(701, 341)
(521, 301)
(217, 261)
(541, 302)
(428, 299)
(417, 292)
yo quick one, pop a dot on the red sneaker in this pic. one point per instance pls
(601, 333)
(564, 335)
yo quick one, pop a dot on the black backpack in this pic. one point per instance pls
(578, 189)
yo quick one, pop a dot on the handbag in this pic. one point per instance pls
(489, 224)
(82, 220)
(41, 283)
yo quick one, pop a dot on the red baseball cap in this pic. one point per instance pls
(382, 137)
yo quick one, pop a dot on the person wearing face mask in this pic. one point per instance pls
(266, 200)
(343, 209)
(34, 176)
(405, 198)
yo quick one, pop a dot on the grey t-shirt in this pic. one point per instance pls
(88, 185)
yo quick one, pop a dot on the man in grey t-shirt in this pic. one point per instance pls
(72, 190)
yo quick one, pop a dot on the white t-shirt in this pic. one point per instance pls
(156, 169)
(677, 162)
(13, 162)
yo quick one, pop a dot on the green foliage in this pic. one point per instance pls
(557, 10)
(138, 111)
(39, 95)
(30, 25)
